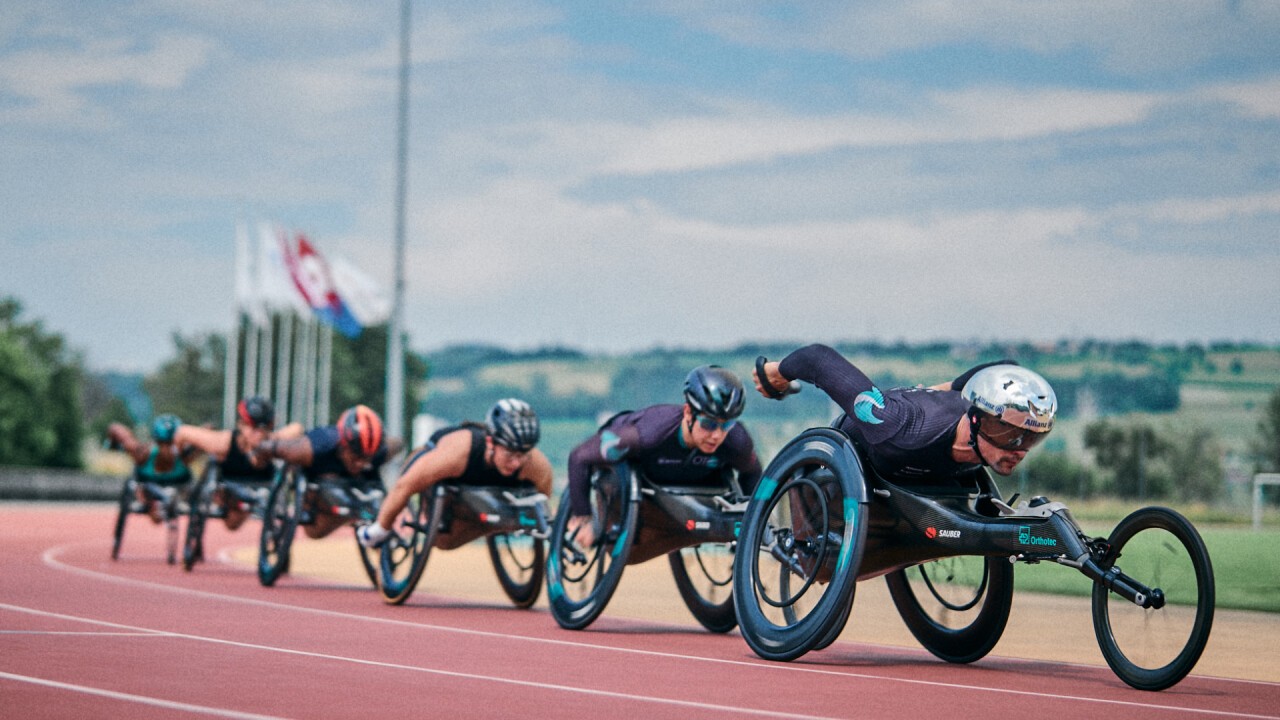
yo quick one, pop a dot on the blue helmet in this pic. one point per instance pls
(164, 427)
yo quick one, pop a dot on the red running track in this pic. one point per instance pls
(82, 636)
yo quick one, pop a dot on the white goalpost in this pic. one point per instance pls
(1259, 481)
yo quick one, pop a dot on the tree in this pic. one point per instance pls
(360, 374)
(1195, 465)
(1129, 453)
(1054, 473)
(40, 418)
(190, 385)
(1266, 445)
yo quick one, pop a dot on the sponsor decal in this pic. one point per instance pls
(932, 533)
(491, 518)
(865, 405)
(1026, 538)
(697, 525)
(609, 450)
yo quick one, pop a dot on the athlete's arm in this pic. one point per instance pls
(448, 459)
(829, 371)
(537, 470)
(295, 451)
(123, 438)
(215, 443)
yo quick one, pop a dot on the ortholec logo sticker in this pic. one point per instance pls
(1026, 538)
(933, 533)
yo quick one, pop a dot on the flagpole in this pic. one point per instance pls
(395, 330)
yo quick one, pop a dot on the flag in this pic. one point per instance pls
(314, 281)
(275, 285)
(359, 292)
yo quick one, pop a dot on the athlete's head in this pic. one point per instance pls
(256, 412)
(713, 400)
(513, 425)
(360, 431)
(164, 427)
(1012, 409)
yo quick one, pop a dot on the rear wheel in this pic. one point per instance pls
(581, 580)
(1154, 648)
(403, 558)
(800, 549)
(519, 559)
(704, 577)
(957, 607)
(279, 522)
(198, 503)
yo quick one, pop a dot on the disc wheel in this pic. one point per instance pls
(279, 522)
(956, 607)
(519, 559)
(1154, 648)
(403, 558)
(704, 577)
(580, 580)
(800, 549)
(127, 492)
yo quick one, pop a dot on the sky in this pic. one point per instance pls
(622, 176)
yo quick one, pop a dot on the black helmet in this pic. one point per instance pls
(257, 411)
(513, 425)
(712, 390)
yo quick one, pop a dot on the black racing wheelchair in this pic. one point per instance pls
(635, 520)
(209, 498)
(295, 501)
(512, 520)
(821, 519)
(139, 497)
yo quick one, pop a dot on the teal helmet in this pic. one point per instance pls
(164, 427)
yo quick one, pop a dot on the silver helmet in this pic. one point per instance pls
(1018, 398)
(513, 424)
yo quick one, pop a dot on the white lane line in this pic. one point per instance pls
(735, 711)
(140, 699)
(90, 634)
(50, 558)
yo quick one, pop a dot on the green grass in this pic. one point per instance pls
(1246, 575)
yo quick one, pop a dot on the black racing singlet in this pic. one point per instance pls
(906, 433)
(477, 471)
(237, 466)
(650, 440)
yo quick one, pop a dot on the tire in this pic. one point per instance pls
(835, 630)
(279, 522)
(369, 559)
(519, 559)
(127, 493)
(1153, 649)
(704, 577)
(956, 607)
(197, 513)
(800, 549)
(580, 581)
(403, 558)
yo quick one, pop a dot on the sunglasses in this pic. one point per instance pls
(1006, 436)
(711, 424)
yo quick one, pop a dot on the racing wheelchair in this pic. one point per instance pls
(209, 498)
(512, 521)
(294, 500)
(137, 497)
(635, 520)
(821, 519)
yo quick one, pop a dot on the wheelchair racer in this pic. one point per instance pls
(501, 452)
(342, 464)
(160, 466)
(234, 451)
(991, 415)
(695, 443)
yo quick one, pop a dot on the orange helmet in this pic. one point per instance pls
(360, 429)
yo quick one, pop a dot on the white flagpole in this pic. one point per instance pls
(264, 353)
(298, 394)
(326, 374)
(282, 368)
(395, 340)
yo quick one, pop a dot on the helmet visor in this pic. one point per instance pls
(1006, 436)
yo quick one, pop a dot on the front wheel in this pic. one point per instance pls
(1155, 647)
(704, 577)
(957, 607)
(279, 522)
(519, 559)
(127, 494)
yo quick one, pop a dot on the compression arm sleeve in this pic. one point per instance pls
(829, 372)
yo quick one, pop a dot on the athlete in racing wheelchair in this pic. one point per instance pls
(657, 481)
(236, 479)
(154, 488)
(898, 487)
(332, 479)
(467, 482)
